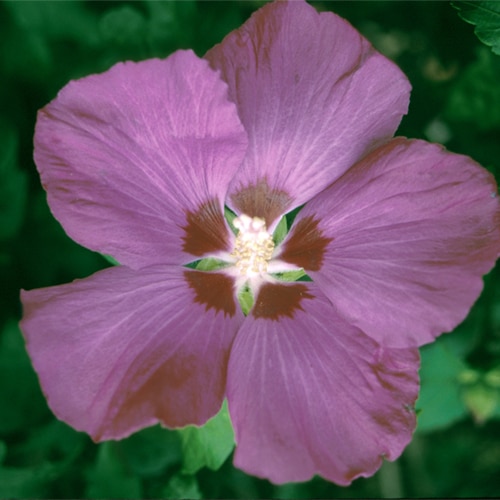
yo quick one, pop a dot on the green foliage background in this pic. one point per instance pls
(455, 101)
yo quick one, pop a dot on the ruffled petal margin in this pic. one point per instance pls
(122, 350)
(400, 243)
(130, 157)
(313, 96)
(310, 394)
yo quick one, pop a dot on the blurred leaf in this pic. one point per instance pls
(485, 16)
(475, 97)
(27, 55)
(123, 33)
(150, 451)
(3, 452)
(55, 19)
(492, 378)
(481, 400)
(26, 482)
(208, 446)
(123, 25)
(171, 25)
(53, 441)
(481, 394)
(439, 403)
(109, 477)
(43, 464)
(12, 185)
(21, 402)
(182, 486)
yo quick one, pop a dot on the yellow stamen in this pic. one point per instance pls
(254, 246)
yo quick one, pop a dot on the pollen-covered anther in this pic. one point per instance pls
(254, 246)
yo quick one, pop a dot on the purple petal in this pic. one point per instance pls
(409, 232)
(124, 349)
(310, 394)
(313, 95)
(130, 157)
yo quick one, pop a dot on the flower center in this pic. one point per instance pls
(254, 246)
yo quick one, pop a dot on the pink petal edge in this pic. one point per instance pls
(311, 394)
(122, 350)
(412, 230)
(313, 96)
(126, 154)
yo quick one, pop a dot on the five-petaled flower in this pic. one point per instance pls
(293, 109)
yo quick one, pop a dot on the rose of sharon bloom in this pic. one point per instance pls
(294, 108)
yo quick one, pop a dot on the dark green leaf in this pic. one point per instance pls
(12, 185)
(475, 97)
(150, 451)
(26, 482)
(21, 403)
(110, 478)
(55, 19)
(55, 439)
(3, 452)
(57, 257)
(123, 26)
(485, 16)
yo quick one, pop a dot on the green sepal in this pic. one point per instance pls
(280, 232)
(230, 216)
(246, 299)
(290, 275)
(210, 264)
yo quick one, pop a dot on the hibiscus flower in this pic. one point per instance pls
(182, 170)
